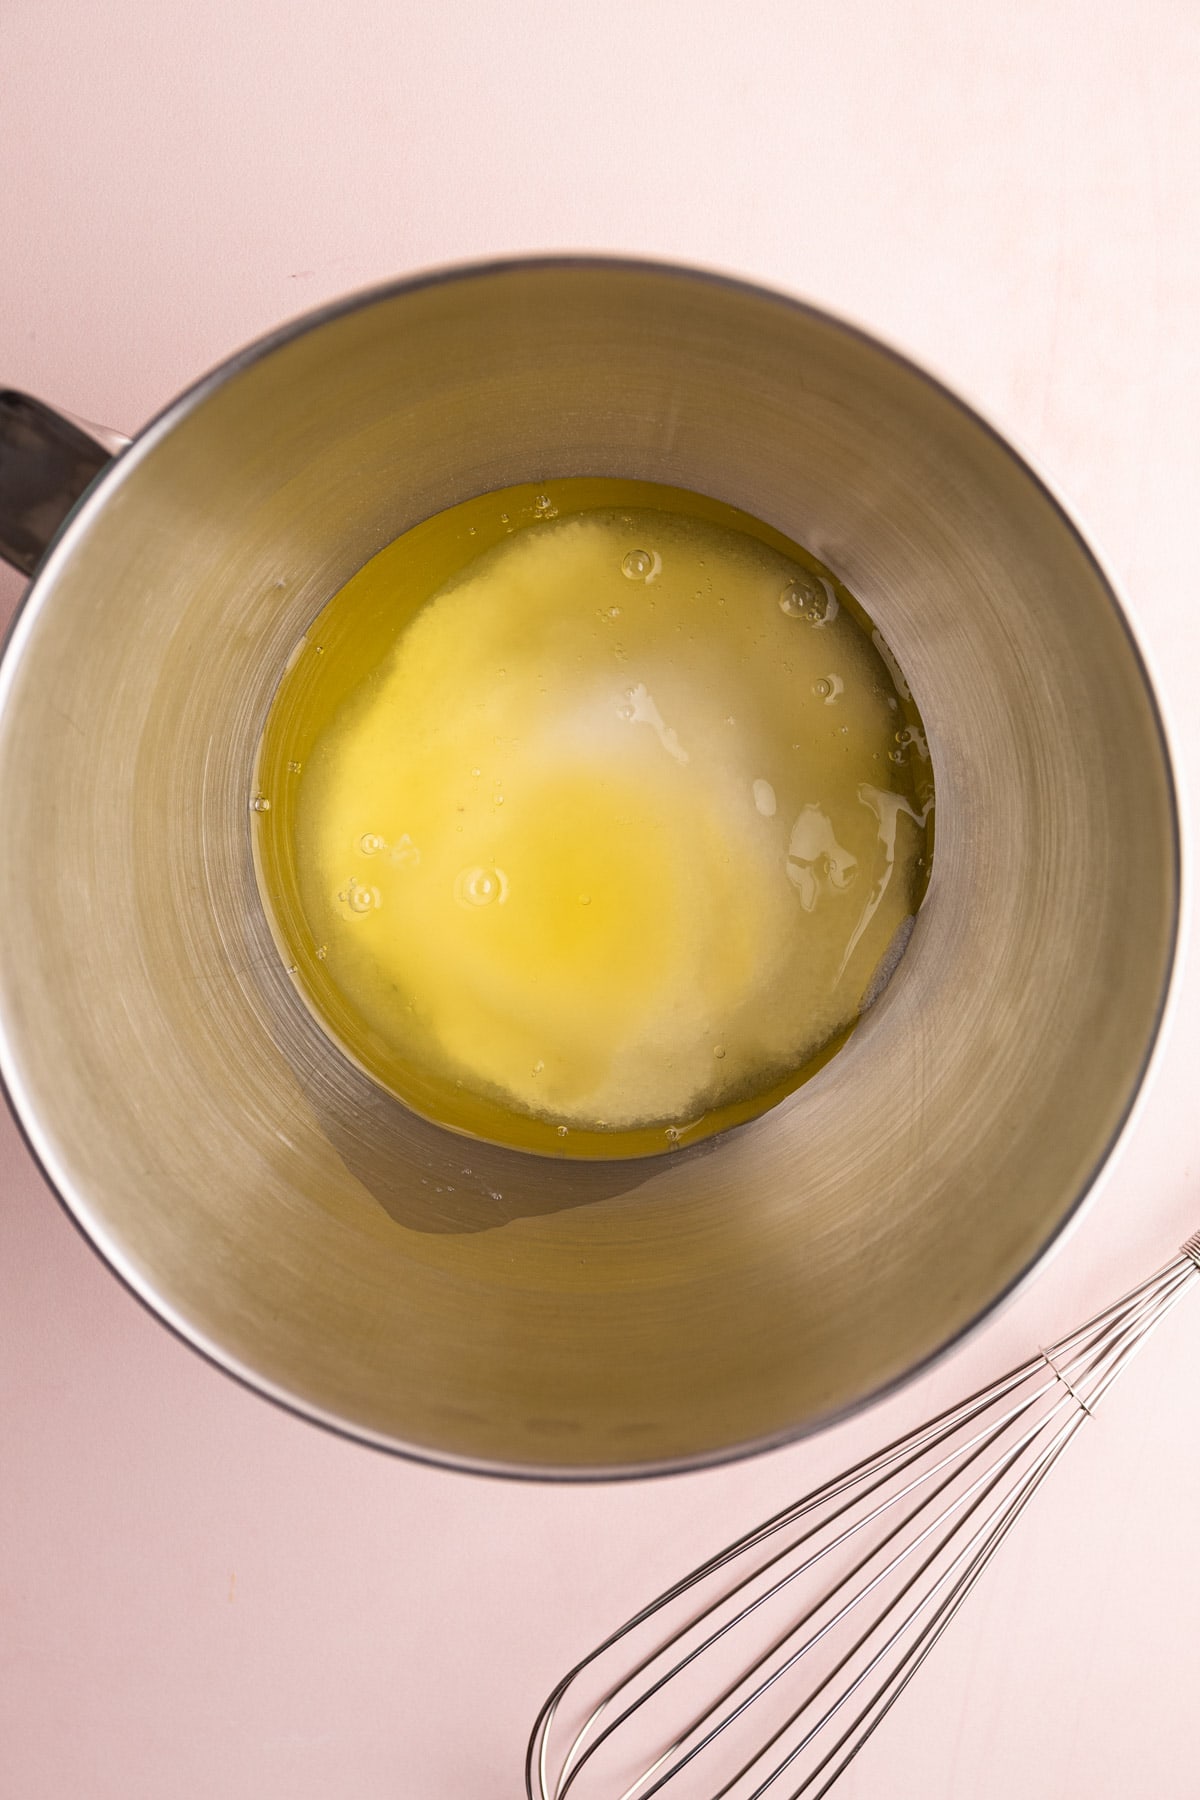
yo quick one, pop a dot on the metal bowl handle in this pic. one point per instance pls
(48, 460)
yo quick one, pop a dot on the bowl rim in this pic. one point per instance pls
(74, 526)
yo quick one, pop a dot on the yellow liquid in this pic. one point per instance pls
(590, 816)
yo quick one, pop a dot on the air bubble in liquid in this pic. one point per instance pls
(359, 898)
(808, 597)
(641, 565)
(480, 887)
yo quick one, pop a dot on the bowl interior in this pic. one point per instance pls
(470, 1303)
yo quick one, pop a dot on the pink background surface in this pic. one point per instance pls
(202, 1597)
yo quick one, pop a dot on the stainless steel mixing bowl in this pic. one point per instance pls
(478, 1306)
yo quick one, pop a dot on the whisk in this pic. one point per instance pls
(765, 1670)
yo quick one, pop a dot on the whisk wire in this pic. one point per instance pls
(892, 1689)
(974, 1468)
(913, 1448)
(976, 1446)
(856, 1599)
(885, 1698)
